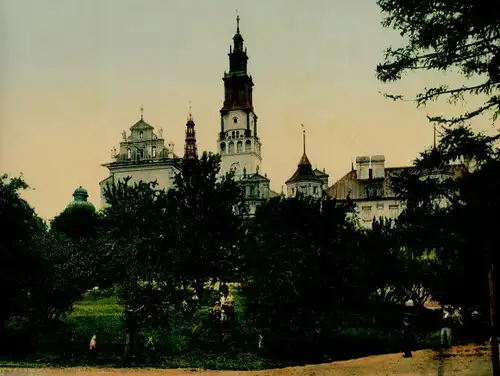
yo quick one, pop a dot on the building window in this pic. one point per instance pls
(230, 149)
(315, 190)
(237, 134)
(141, 135)
(153, 151)
(394, 210)
(222, 147)
(239, 147)
(235, 120)
(232, 134)
(366, 213)
(248, 145)
(140, 154)
(129, 153)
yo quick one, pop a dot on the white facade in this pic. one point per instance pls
(238, 145)
(306, 188)
(369, 187)
(143, 156)
(384, 208)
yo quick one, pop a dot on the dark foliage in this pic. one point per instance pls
(461, 36)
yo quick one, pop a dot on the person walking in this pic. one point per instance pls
(151, 347)
(446, 327)
(93, 350)
(407, 330)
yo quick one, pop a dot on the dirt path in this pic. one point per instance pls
(461, 361)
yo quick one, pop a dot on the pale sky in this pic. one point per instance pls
(74, 74)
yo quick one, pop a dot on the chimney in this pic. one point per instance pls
(363, 167)
(378, 166)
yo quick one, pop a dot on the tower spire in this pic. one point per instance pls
(237, 22)
(142, 112)
(303, 139)
(190, 148)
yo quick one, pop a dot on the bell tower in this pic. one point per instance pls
(190, 149)
(238, 141)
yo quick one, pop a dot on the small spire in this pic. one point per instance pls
(303, 138)
(237, 22)
(142, 112)
(190, 114)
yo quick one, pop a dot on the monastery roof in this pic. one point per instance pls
(257, 177)
(356, 189)
(304, 172)
(141, 125)
(320, 173)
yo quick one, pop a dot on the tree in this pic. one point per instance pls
(447, 35)
(137, 242)
(40, 273)
(19, 259)
(302, 273)
(77, 222)
(443, 35)
(207, 219)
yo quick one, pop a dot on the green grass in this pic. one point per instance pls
(190, 343)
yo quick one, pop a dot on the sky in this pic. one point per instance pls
(74, 74)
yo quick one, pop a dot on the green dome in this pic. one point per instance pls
(80, 197)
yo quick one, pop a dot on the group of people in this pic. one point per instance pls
(223, 309)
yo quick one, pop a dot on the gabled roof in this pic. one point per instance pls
(304, 172)
(320, 173)
(256, 177)
(356, 189)
(141, 125)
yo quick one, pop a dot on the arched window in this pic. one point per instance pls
(232, 134)
(141, 135)
(231, 147)
(153, 151)
(239, 147)
(129, 153)
(248, 145)
(222, 147)
(237, 134)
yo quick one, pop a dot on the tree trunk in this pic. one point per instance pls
(495, 361)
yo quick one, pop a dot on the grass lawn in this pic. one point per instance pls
(189, 343)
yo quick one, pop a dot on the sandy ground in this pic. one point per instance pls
(462, 361)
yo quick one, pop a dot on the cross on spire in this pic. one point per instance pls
(190, 114)
(142, 112)
(237, 22)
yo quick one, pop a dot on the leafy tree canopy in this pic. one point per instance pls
(77, 222)
(446, 35)
(207, 220)
(303, 267)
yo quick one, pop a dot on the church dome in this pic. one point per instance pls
(80, 196)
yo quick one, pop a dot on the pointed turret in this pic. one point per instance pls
(190, 149)
(304, 170)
